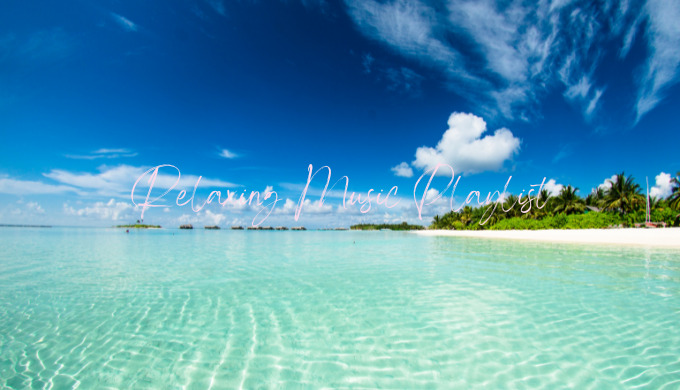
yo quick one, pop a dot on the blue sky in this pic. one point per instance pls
(247, 94)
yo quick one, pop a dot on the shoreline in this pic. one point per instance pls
(660, 237)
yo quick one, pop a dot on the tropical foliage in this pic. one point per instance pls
(619, 204)
(674, 198)
(623, 195)
(390, 226)
(568, 201)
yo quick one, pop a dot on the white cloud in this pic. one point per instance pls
(402, 170)
(464, 147)
(630, 34)
(110, 210)
(35, 207)
(214, 218)
(109, 179)
(507, 99)
(187, 219)
(314, 191)
(592, 104)
(408, 28)
(580, 89)
(108, 151)
(28, 187)
(663, 40)
(496, 33)
(103, 153)
(124, 22)
(308, 207)
(663, 186)
(431, 195)
(607, 184)
(118, 180)
(201, 219)
(553, 187)
(225, 153)
(26, 209)
(515, 53)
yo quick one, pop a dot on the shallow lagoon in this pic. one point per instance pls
(99, 308)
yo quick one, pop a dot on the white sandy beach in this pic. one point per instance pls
(660, 237)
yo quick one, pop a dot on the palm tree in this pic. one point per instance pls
(656, 203)
(511, 206)
(623, 195)
(449, 219)
(674, 197)
(491, 214)
(543, 205)
(466, 215)
(568, 202)
(594, 199)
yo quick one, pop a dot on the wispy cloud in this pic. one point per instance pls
(124, 22)
(118, 180)
(663, 65)
(43, 45)
(408, 27)
(29, 187)
(514, 53)
(399, 79)
(226, 153)
(564, 151)
(103, 153)
(593, 103)
(404, 80)
(218, 6)
(366, 61)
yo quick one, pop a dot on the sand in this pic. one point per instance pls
(659, 237)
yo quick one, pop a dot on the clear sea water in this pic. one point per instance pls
(170, 309)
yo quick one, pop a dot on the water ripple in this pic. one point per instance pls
(211, 310)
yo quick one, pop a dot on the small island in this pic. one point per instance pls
(139, 226)
(386, 226)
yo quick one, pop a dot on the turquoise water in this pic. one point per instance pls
(98, 308)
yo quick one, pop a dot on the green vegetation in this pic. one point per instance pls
(394, 226)
(622, 204)
(139, 226)
(674, 198)
(623, 196)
